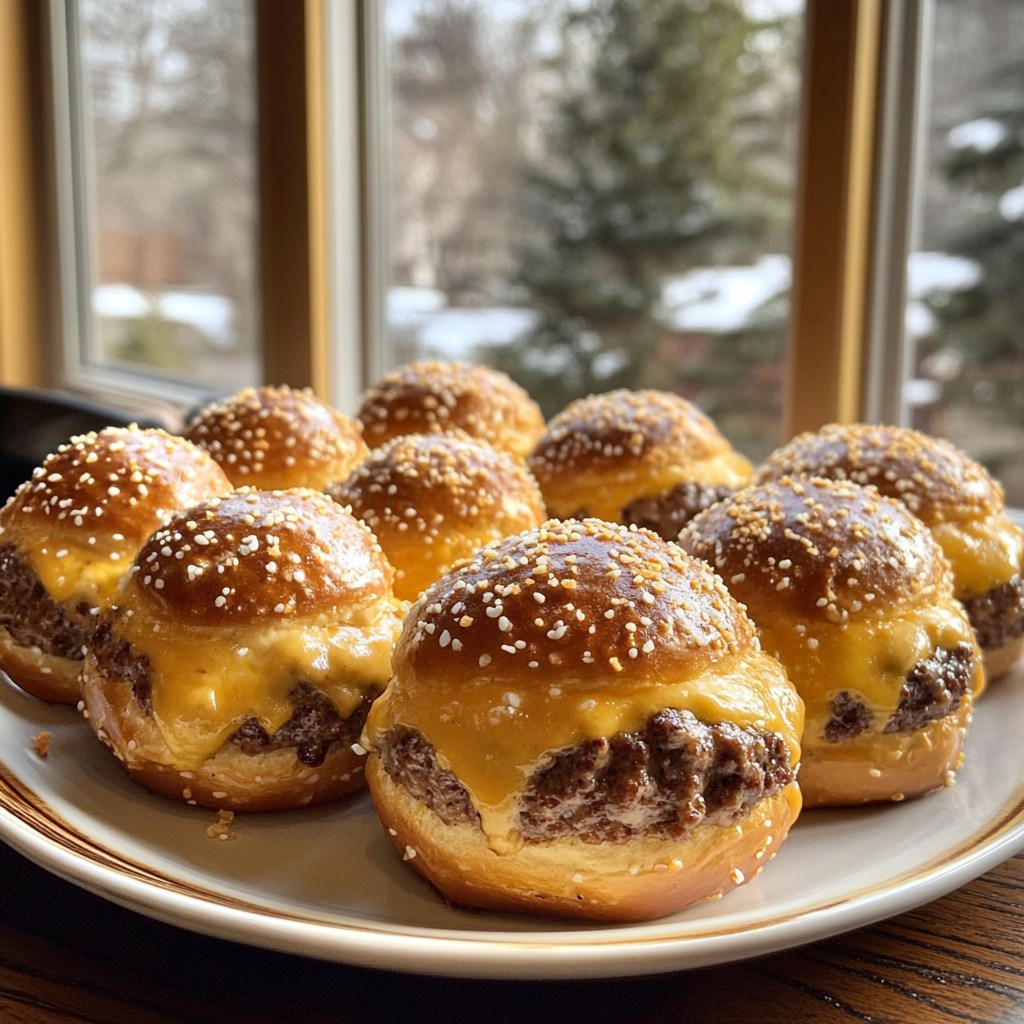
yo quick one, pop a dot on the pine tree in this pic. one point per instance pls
(657, 159)
(982, 324)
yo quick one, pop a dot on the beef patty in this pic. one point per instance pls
(932, 690)
(662, 780)
(33, 618)
(314, 726)
(998, 615)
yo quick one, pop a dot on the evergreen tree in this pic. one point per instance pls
(982, 324)
(658, 157)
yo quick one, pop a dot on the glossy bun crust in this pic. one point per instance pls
(955, 496)
(854, 597)
(547, 650)
(237, 665)
(431, 499)
(431, 397)
(69, 534)
(604, 453)
(276, 437)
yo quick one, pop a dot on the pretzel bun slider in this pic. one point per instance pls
(581, 723)
(428, 397)
(647, 458)
(431, 499)
(962, 505)
(237, 664)
(69, 534)
(277, 436)
(851, 593)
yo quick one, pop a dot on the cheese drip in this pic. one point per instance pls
(73, 572)
(984, 553)
(868, 657)
(206, 682)
(608, 495)
(491, 738)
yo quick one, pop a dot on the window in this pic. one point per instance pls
(430, 247)
(965, 320)
(159, 171)
(597, 195)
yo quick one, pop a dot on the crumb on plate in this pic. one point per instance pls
(223, 827)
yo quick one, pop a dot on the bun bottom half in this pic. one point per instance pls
(230, 780)
(877, 767)
(46, 676)
(998, 661)
(638, 880)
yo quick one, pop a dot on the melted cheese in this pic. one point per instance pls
(73, 572)
(983, 553)
(207, 681)
(491, 739)
(868, 657)
(608, 495)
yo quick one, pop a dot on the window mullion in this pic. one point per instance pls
(831, 247)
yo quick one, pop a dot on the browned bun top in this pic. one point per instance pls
(278, 436)
(593, 602)
(621, 426)
(603, 453)
(935, 480)
(819, 549)
(432, 498)
(261, 555)
(427, 397)
(115, 484)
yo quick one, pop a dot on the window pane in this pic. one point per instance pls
(966, 318)
(595, 195)
(166, 174)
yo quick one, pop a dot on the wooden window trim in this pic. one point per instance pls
(22, 348)
(831, 252)
(831, 293)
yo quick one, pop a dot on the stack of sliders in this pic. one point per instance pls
(592, 668)
(953, 496)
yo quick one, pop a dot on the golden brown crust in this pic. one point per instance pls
(79, 521)
(269, 612)
(261, 555)
(932, 477)
(820, 549)
(851, 593)
(639, 880)
(431, 499)
(633, 444)
(895, 766)
(110, 488)
(605, 600)
(428, 397)
(538, 643)
(275, 437)
(946, 489)
(46, 676)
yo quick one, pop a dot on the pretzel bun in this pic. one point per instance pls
(431, 397)
(953, 495)
(431, 499)
(237, 664)
(69, 534)
(581, 723)
(851, 593)
(274, 437)
(648, 458)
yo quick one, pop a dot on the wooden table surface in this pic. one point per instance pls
(68, 955)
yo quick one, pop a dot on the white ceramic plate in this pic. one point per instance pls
(326, 883)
